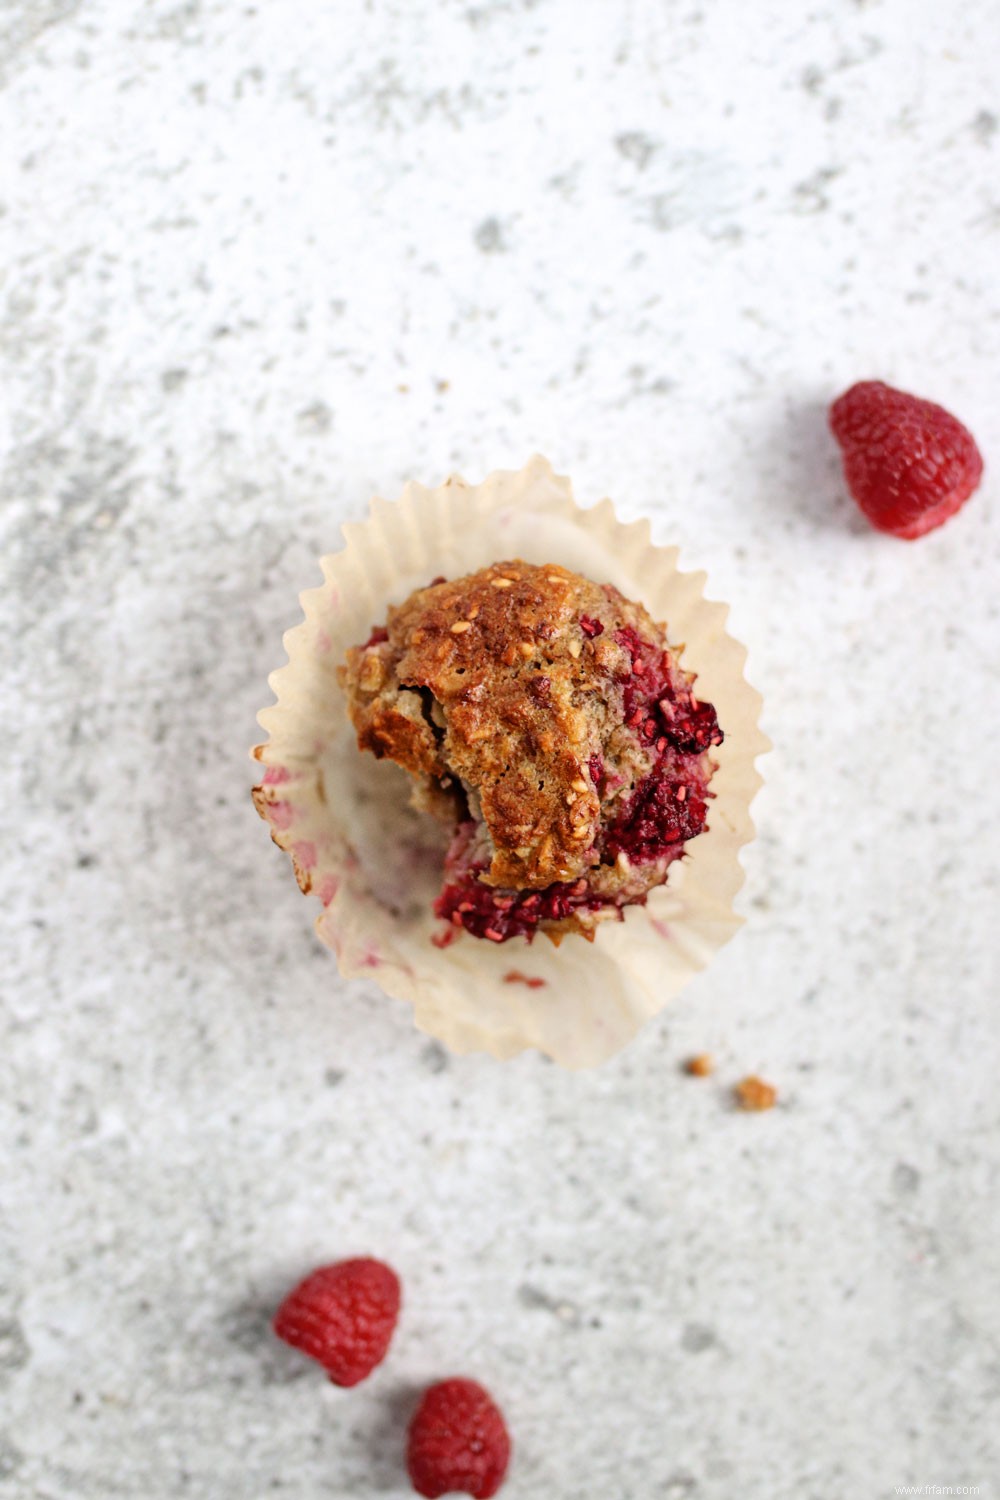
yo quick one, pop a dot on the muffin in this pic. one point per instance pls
(494, 754)
(547, 720)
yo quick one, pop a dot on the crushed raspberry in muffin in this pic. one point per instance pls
(546, 718)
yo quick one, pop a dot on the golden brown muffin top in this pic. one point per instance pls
(503, 679)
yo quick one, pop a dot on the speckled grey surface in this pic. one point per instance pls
(259, 262)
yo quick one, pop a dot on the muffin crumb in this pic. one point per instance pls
(752, 1094)
(700, 1066)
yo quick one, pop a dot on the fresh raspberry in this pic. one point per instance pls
(458, 1441)
(343, 1316)
(909, 464)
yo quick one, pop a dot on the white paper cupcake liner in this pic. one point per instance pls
(376, 865)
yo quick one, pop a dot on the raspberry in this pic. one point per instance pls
(490, 912)
(343, 1316)
(909, 464)
(657, 819)
(458, 1441)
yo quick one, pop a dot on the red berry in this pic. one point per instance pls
(909, 464)
(343, 1316)
(458, 1441)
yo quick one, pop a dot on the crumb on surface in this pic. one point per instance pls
(700, 1066)
(753, 1093)
(533, 981)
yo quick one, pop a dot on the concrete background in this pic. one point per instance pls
(260, 261)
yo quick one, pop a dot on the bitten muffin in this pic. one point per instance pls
(547, 719)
